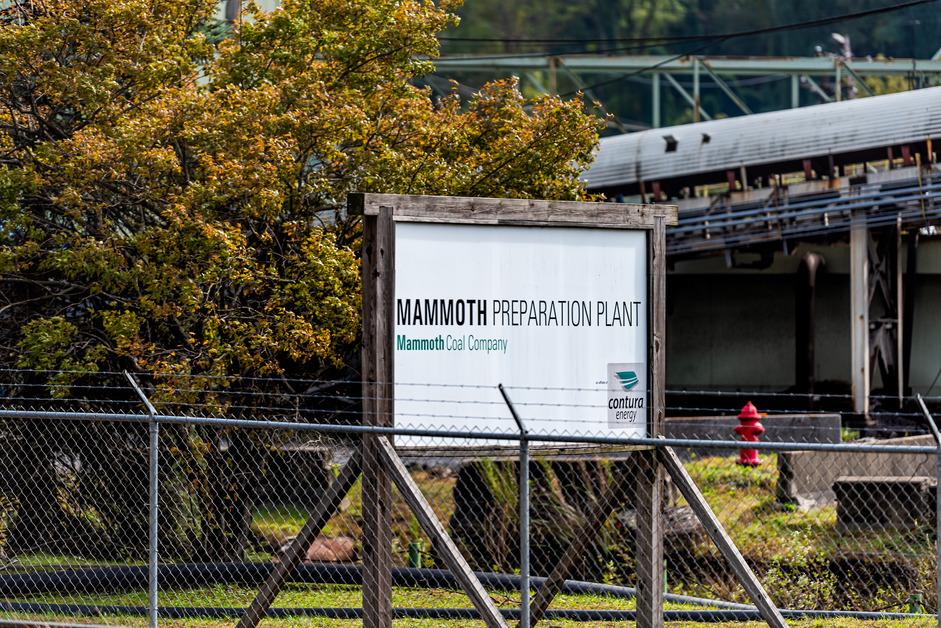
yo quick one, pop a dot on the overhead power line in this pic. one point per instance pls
(824, 21)
(576, 40)
(556, 52)
(639, 43)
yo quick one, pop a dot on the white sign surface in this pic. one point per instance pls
(557, 315)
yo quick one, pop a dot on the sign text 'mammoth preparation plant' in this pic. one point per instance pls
(556, 314)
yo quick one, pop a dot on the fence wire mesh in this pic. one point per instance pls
(835, 528)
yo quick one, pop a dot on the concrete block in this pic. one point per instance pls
(806, 478)
(884, 503)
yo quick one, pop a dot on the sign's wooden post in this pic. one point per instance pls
(378, 377)
(649, 539)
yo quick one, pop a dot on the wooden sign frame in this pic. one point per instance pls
(380, 212)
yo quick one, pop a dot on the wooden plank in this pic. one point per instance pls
(571, 453)
(439, 537)
(649, 539)
(326, 507)
(648, 543)
(378, 408)
(697, 502)
(592, 522)
(505, 211)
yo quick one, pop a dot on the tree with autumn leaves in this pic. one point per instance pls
(173, 204)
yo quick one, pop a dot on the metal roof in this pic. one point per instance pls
(765, 138)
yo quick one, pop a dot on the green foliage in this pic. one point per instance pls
(848, 435)
(51, 344)
(802, 558)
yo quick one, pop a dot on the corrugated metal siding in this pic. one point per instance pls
(767, 138)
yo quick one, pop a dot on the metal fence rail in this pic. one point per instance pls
(109, 489)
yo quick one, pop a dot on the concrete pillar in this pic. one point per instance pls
(859, 311)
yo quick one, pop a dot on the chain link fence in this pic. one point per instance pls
(831, 524)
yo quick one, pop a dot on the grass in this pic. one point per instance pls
(320, 622)
(330, 596)
(342, 596)
(798, 554)
(744, 500)
(326, 596)
(60, 560)
(278, 521)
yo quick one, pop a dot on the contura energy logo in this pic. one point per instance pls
(627, 394)
(628, 379)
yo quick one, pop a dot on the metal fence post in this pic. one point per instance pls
(524, 512)
(937, 499)
(524, 530)
(153, 506)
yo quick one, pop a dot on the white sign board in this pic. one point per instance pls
(558, 315)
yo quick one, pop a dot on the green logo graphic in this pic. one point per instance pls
(628, 379)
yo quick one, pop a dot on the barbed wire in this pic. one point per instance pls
(345, 408)
(349, 381)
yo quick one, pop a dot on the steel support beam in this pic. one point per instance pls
(531, 76)
(655, 101)
(734, 66)
(726, 89)
(859, 79)
(693, 101)
(824, 96)
(553, 76)
(886, 312)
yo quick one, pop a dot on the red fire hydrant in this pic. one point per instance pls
(750, 429)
